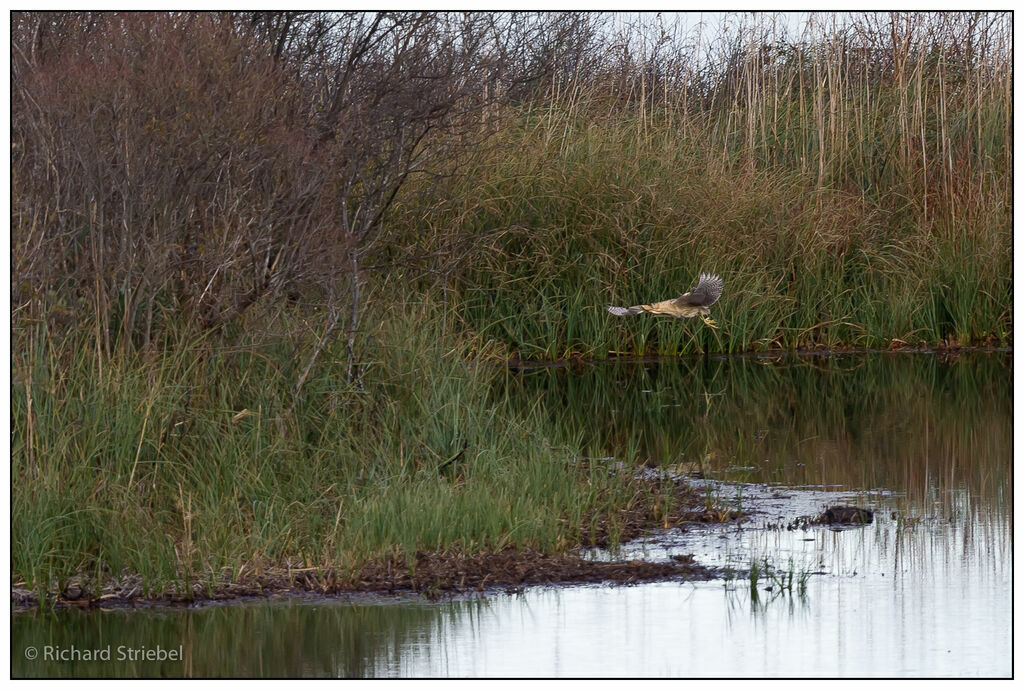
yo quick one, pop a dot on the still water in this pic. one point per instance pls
(925, 590)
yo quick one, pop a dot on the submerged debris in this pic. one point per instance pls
(836, 515)
(846, 515)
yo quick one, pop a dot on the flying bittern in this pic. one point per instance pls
(693, 303)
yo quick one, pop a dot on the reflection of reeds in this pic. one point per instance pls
(912, 423)
(852, 187)
(326, 640)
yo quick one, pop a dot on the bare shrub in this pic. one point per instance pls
(159, 168)
(171, 166)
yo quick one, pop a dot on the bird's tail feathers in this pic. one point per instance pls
(623, 311)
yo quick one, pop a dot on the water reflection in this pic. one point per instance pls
(916, 423)
(925, 590)
(869, 625)
(263, 639)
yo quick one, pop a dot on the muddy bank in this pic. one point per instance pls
(433, 575)
(436, 575)
(670, 504)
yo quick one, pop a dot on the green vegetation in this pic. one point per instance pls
(844, 207)
(188, 463)
(624, 217)
(257, 310)
(762, 575)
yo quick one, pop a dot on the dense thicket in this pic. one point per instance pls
(183, 168)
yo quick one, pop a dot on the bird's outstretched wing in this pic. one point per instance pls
(623, 311)
(706, 293)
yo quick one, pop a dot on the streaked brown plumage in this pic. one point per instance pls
(693, 303)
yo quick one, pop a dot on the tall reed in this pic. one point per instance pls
(851, 183)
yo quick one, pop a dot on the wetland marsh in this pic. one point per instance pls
(924, 590)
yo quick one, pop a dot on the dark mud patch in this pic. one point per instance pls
(660, 504)
(513, 569)
(834, 516)
(844, 515)
(432, 575)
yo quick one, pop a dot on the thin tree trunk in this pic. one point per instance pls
(353, 319)
(334, 317)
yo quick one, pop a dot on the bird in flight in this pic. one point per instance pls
(693, 303)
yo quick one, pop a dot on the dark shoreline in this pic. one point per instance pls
(527, 363)
(449, 575)
(433, 575)
(453, 573)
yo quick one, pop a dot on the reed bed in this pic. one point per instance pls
(851, 185)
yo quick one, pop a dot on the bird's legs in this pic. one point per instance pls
(708, 321)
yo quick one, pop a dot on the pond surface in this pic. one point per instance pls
(924, 590)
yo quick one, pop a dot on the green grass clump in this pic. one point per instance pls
(194, 461)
